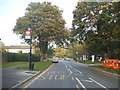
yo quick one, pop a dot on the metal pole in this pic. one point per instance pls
(30, 59)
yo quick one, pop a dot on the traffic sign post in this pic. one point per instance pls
(28, 36)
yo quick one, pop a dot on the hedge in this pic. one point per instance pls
(12, 57)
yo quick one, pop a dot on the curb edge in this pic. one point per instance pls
(24, 81)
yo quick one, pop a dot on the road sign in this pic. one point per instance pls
(27, 32)
(76, 52)
(27, 36)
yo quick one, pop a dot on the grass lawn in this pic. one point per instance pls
(8, 64)
(38, 66)
(71, 59)
(89, 62)
(111, 70)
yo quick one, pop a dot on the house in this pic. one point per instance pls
(20, 48)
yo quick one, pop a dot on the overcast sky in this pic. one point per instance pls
(11, 10)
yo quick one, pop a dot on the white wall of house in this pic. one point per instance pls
(17, 50)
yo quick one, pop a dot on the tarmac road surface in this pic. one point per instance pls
(69, 74)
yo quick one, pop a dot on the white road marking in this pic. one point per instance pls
(66, 66)
(78, 71)
(87, 80)
(69, 70)
(81, 83)
(75, 69)
(50, 77)
(70, 66)
(55, 77)
(98, 83)
(73, 78)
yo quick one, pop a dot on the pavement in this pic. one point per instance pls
(12, 77)
(88, 64)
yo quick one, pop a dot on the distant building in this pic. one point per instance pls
(19, 48)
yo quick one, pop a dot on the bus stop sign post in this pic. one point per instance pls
(28, 36)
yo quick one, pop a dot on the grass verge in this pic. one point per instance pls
(111, 70)
(71, 59)
(38, 66)
(8, 64)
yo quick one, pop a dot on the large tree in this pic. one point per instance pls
(77, 50)
(98, 25)
(46, 23)
(62, 52)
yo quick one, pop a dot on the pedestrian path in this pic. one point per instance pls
(87, 64)
(11, 76)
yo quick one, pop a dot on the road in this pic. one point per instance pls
(69, 74)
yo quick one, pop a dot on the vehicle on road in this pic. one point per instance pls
(67, 59)
(55, 59)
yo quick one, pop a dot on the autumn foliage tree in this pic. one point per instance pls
(61, 52)
(46, 23)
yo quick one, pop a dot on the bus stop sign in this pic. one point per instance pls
(27, 32)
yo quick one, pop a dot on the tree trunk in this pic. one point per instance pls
(43, 50)
(42, 56)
